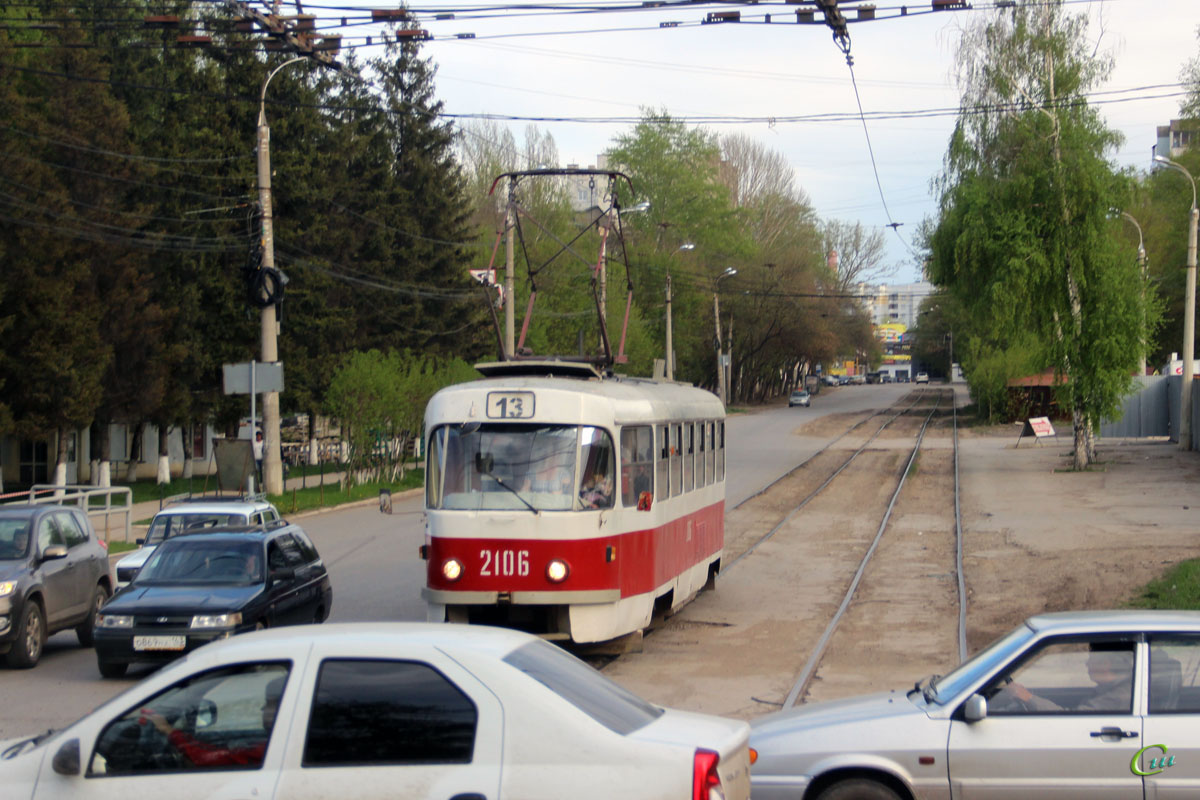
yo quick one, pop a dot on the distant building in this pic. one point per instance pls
(1177, 137)
(587, 191)
(892, 304)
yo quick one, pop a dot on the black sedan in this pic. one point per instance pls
(200, 587)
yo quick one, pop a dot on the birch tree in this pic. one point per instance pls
(1025, 241)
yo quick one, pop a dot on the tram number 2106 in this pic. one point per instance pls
(504, 563)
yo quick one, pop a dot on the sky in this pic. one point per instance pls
(623, 63)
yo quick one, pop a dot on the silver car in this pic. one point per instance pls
(200, 513)
(1095, 704)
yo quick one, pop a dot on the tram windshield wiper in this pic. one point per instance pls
(483, 465)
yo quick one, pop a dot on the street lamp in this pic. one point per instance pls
(722, 391)
(1141, 264)
(686, 246)
(272, 462)
(1189, 313)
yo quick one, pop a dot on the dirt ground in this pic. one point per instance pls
(1037, 537)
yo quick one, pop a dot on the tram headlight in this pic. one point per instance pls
(557, 571)
(452, 569)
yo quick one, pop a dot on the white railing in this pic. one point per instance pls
(83, 497)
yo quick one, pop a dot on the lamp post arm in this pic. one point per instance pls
(262, 96)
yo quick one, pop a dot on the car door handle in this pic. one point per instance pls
(468, 796)
(1113, 732)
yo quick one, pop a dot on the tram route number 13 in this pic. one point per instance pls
(504, 563)
(510, 405)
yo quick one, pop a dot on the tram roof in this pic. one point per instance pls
(630, 399)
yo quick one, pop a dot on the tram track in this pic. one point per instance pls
(884, 570)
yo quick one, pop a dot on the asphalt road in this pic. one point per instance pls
(375, 569)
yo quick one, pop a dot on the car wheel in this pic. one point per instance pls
(31, 638)
(858, 789)
(112, 669)
(86, 632)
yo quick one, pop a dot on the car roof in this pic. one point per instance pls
(243, 531)
(1115, 621)
(496, 642)
(213, 506)
(27, 510)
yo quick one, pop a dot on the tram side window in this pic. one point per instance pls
(703, 462)
(637, 463)
(676, 460)
(663, 464)
(689, 456)
(720, 455)
(709, 468)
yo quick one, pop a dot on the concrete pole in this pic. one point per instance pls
(1142, 266)
(1189, 333)
(269, 348)
(510, 231)
(670, 343)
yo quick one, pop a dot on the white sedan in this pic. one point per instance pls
(381, 711)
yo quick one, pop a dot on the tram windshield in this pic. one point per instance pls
(511, 467)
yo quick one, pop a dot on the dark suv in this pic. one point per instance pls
(210, 584)
(54, 575)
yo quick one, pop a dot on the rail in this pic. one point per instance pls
(83, 497)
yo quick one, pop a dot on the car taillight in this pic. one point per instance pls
(706, 784)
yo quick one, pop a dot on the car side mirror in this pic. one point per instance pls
(54, 551)
(975, 708)
(283, 574)
(139, 542)
(206, 714)
(66, 760)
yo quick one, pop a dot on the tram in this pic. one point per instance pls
(569, 502)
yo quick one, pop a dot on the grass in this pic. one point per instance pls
(332, 494)
(148, 490)
(1178, 588)
(117, 546)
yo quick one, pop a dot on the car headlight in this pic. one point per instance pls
(217, 620)
(7, 588)
(114, 621)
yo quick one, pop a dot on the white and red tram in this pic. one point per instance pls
(571, 504)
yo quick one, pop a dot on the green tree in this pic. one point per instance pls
(1024, 241)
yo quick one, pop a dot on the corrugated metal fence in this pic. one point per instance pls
(1154, 410)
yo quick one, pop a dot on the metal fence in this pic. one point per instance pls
(96, 501)
(1150, 411)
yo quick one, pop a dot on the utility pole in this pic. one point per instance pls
(720, 366)
(670, 344)
(510, 230)
(1189, 314)
(296, 35)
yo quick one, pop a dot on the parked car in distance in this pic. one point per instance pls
(54, 575)
(859, 379)
(202, 512)
(1097, 699)
(210, 584)
(830, 380)
(885, 377)
(380, 711)
(800, 397)
(922, 377)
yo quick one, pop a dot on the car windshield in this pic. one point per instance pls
(505, 466)
(983, 663)
(166, 525)
(14, 539)
(613, 706)
(207, 561)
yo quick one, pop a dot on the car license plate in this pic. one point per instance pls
(159, 642)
